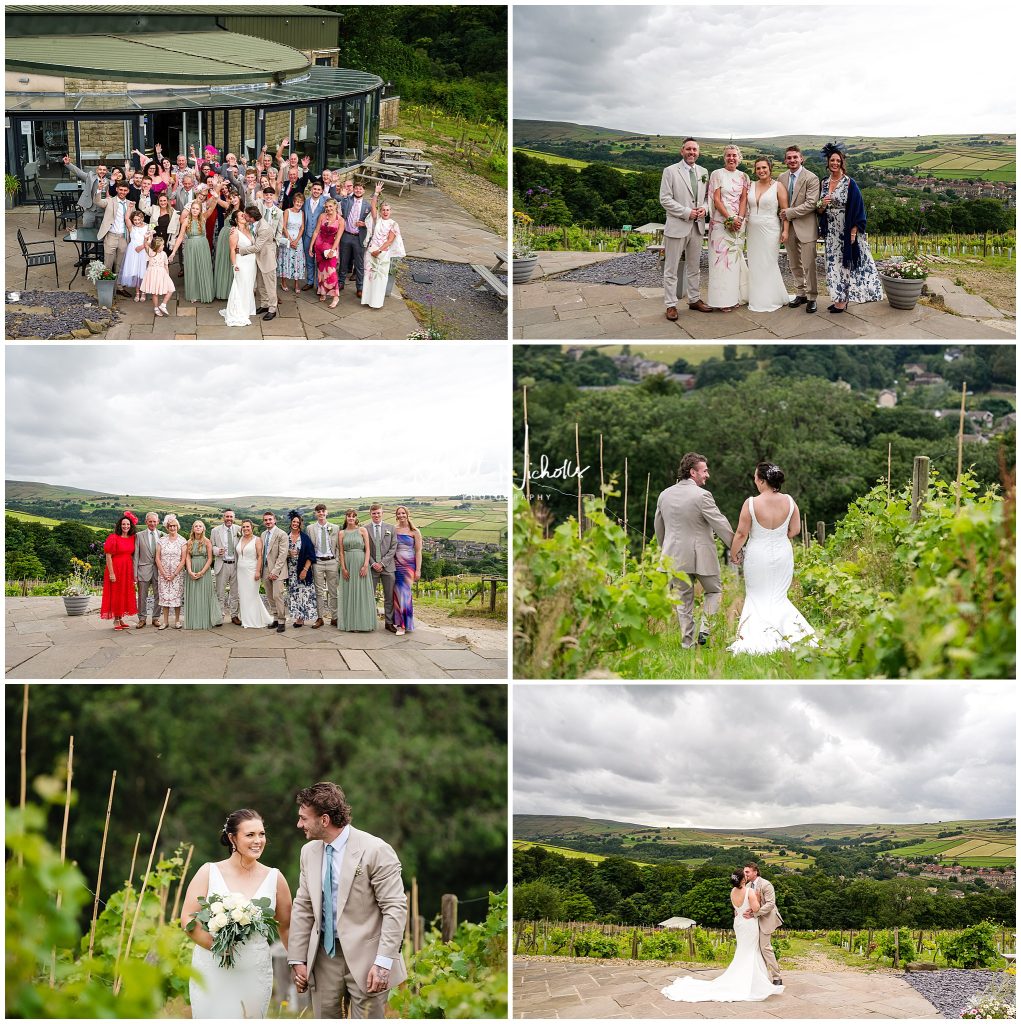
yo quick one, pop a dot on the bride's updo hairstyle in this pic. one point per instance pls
(736, 879)
(770, 474)
(233, 823)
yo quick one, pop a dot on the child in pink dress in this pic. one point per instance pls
(157, 277)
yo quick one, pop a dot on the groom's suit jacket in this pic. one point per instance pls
(274, 553)
(675, 196)
(219, 539)
(801, 212)
(768, 916)
(686, 519)
(371, 908)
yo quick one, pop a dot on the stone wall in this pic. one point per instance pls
(105, 138)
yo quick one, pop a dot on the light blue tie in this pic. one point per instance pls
(329, 911)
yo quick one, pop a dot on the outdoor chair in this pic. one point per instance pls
(46, 204)
(42, 258)
(65, 208)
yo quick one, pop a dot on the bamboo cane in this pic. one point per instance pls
(180, 885)
(960, 450)
(141, 894)
(889, 473)
(602, 479)
(623, 564)
(528, 482)
(128, 890)
(645, 519)
(99, 877)
(577, 464)
(24, 765)
(63, 847)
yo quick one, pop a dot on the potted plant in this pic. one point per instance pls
(903, 281)
(78, 588)
(12, 186)
(524, 257)
(104, 280)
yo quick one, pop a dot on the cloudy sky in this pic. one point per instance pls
(723, 71)
(222, 421)
(736, 756)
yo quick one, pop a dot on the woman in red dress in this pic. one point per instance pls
(119, 577)
(325, 245)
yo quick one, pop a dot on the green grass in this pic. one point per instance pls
(694, 354)
(26, 517)
(550, 158)
(595, 858)
(441, 134)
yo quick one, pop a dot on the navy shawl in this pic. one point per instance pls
(854, 217)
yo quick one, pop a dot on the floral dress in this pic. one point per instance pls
(847, 284)
(301, 594)
(171, 592)
(728, 271)
(291, 262)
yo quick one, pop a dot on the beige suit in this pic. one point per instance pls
(266, 263)
(371, 913)
(686, 519)
(115, 246)
(769, 920)
(146, 574)
(682, 234)
(274, 560)
(325, 570)
(804, 230)
(225, 568)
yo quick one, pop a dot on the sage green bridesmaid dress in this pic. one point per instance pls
(357, 597)
(201, 609)
(198, 265)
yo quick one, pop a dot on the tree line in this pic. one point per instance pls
(602, 196)
(787, 405)
(424, 767)
(617, 890)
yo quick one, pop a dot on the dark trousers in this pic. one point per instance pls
(351, 251)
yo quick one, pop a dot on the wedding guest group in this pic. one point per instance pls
(748, 219)
(238, 233)
(313, 574)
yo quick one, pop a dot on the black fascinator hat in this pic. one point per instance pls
(833, 147)
(294, 514)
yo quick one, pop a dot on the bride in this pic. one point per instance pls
(244, 989)
(746, 979)
(766, 203)
(241, 298)
(249, 555)
(769, 622)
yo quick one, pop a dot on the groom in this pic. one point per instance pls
(264, 235)
(347, 922)
(769, 918)
(686, 519)
(682, 193)
(802, 188)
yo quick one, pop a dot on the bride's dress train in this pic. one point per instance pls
(766, 290)
(244, 989)
(769, 622)
(745, 980)
(241, 298)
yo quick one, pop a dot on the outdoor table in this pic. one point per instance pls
(410, 165)
(88, 246)
(400, 151)
(68, 186)
(393, 140)
(501, 262)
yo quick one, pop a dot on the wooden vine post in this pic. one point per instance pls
(448, 916)
(645, 518)
(63, 846)
(24, 765)
(99, 877)
(960, 449)
(577, 466)
(919, 485)
(528, 482)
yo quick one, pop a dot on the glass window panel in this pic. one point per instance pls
(374, 125)
(335, 134)
(277, 127)
(352, 115)
(306, 134)
(366, 124)
(41, 148)
(106, 142)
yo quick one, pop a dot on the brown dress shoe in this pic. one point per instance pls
(333, 622)
(140, 625)
(317, 623)
(701, 306)
(235, 620)
(671, 312)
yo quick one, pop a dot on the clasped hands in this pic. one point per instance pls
(377, 981)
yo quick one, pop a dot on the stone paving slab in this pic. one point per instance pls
(563, 988)
(433, 226)
(43, 642)
(548, 308)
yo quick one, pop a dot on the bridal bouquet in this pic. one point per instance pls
(232, 920)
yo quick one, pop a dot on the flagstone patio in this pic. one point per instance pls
(560, 988)
(43, 642)
(434, 227)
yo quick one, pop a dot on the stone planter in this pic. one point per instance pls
(902, 293)
(77, 605)
(524, 268)
(104, 293)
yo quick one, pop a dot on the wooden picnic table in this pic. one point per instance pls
(404, 151)
(501, 262)
(386, 172)
(392, 140)
(419, 167)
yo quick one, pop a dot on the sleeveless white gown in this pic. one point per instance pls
(769, 622)
(244, 989)
(766, 290)
(241, 298)
(745, 980)
(252, 611)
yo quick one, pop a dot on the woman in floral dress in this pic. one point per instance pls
(301, 587)
(851, 274)
(170, 556)
(728, 271)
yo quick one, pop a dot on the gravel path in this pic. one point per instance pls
(644, 270)
(69, 311)
(949, 990)
(463, 309)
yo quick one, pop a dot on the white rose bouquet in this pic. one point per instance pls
(232, 920)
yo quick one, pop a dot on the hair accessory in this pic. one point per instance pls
(167, 518)
(833, 147)
(128, 514)
(226, 824)
(293, 514)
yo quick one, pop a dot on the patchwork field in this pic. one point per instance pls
(990, 163)
(669, 354)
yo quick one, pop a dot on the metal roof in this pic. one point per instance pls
(158, 56)
(275, 11)
(317, 83)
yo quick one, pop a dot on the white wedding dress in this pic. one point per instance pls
(241, 298)
(769, 622)
(243, 990)
(253, 612)
(745, 980)
(766, 290)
